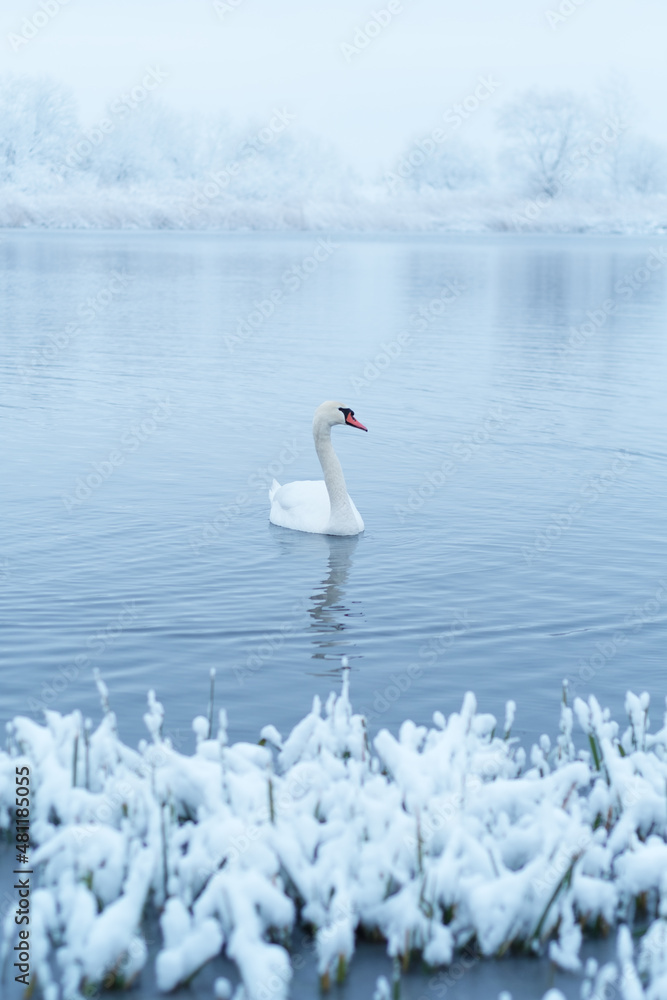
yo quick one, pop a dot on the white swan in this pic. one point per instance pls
(323, 508)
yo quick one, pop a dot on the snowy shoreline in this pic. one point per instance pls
(368, 211)
(442, 839)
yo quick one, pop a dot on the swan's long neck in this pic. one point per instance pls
(333, 472)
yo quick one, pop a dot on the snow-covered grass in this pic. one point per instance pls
(363, 208)
(434, 840)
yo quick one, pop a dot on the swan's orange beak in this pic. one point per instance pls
(349, 419)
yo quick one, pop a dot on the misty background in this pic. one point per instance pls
(236, 114)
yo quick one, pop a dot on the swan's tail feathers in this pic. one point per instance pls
(275, 486)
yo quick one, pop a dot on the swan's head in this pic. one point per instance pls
(331, 413)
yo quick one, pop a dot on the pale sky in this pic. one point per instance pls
(257, 55)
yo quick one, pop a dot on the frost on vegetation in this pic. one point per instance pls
(434, 840)
(564, 166)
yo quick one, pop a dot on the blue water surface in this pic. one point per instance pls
(512, 482)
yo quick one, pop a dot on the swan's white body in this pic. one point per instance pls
(320, 507)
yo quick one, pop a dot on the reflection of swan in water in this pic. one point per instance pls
(327, 598)
(329, 610)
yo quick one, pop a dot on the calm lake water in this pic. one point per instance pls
(512, 482)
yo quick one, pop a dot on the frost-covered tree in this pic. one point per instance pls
(543, 130)
(616, 104)
(452, 165)
(633, 164)
(214, 142)
(149, 144)
(38, 121)
(286, 165)
(644, 167)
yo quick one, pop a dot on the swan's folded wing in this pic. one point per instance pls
(302, 506)
(311, 493)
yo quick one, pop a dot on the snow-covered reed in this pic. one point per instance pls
(434, 840)
(364, 208)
